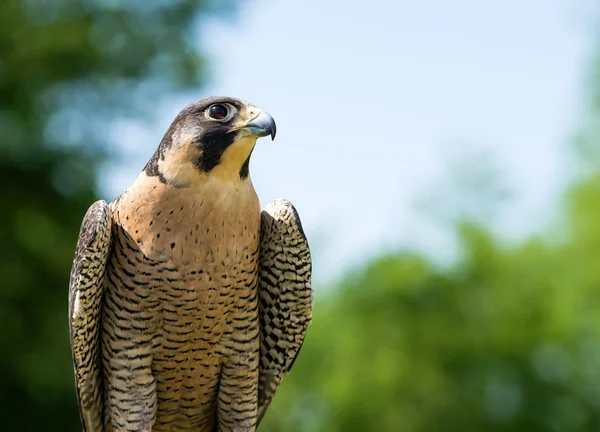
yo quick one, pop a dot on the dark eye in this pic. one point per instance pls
(218, 112)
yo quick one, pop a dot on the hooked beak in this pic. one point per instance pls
(262, 125)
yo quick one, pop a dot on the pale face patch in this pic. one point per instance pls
(177, 167)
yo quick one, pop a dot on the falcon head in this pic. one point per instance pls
(210, 138)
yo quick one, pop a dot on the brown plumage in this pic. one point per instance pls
(166, 328)
(285, 296)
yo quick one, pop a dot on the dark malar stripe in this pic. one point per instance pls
(213, 146)
(245, 169)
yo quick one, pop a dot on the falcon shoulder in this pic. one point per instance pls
(86, 289)
(285, 296)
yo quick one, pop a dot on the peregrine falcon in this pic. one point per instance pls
(187, 304)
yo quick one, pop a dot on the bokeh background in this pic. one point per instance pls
(444, 156)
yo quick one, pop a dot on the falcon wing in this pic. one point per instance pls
(86, 291)
(285, 296)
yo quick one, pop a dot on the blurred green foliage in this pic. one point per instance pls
(68, 68)
(508, 339)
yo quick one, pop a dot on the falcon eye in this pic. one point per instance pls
(218, 112)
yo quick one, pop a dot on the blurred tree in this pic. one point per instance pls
(508, 340)
(68, 68)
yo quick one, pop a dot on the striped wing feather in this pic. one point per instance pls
(85, 302)
(285, 296)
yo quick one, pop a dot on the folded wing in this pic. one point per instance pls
(285, 296)
(85, 302)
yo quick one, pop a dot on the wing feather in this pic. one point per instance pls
(85, 302)
(285, 296)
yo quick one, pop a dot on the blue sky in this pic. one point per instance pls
(375, 100)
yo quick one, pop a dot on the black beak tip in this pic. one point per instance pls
(272, 127)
